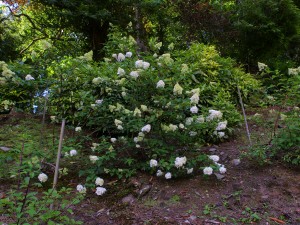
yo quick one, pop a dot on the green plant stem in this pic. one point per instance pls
(24, 200)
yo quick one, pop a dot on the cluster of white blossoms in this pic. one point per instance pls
(6, 73)
(214, 114)
(134, 74)
(139, 138)
(42, 177)
(294, 71)
(180, 162)
(81, 189)
(261, 66)
(146, 128)
(160, 84)
(73, 152)
(153, 163)
(94, 146)
(113, 140)
(195, 98)
(121, 71)
(78, 129)
(215, 159)
(118, 124)
(177, 90)
(168, 175)
(221, 126)
(29, 77)
(140, 64)
(93, 158)
(194, 109)
(99, 101)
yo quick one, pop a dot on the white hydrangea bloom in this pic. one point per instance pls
(222, 169)
(261, 66)
(121, 57)
(139, 64)
(29, 77)
(221, 134)
(99, 101)
(200, 119)
(146, 65)
(120, 127)
(168, 175)
(123, 94)
(160, 84)
(189, 121)
(189, 170)
(81, 189)
(73, 152)
(144, 108)
(214, 158)
(181, 126)
(53, 118)
(194, 109)
(96, 80)
(193, 133)
(77, 129)
(214, 114)
(184, 68)
(136, 139)
(208, 171)
(146, 128)
(137, 146)
(113, 140)
(153, 163)
(294, 71)
(137, 112)
(128, 54)
(118, 122)
(100, 190)
(121, 71)
(99, 181)
(177, 90)
(180, 161)
(195, 98)
(42, 177)
(93, 158)
(173, 127)
(221, 125)
(134, 74)
(159, 173)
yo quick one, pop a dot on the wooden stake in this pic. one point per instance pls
(244, 114)
(59, 153)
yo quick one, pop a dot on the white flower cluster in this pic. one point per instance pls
(160, 84)
(294, 71)
(78, 129)
(214, 114)
(118, 124)
(261, 66)
(180, 161)
(140, 64)
(81, 189)
(146, 128)
(221, 126)
(93, 158)
(73, 152)
(42, 177)
(29, 77)
(177, 90)
(153, 163)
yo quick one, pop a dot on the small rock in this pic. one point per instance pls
(128, 199)
(144, 190)
(265, 197)
(4, 148)
(236, 162)
(192, 218)
(219, 176)
(212, 149)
